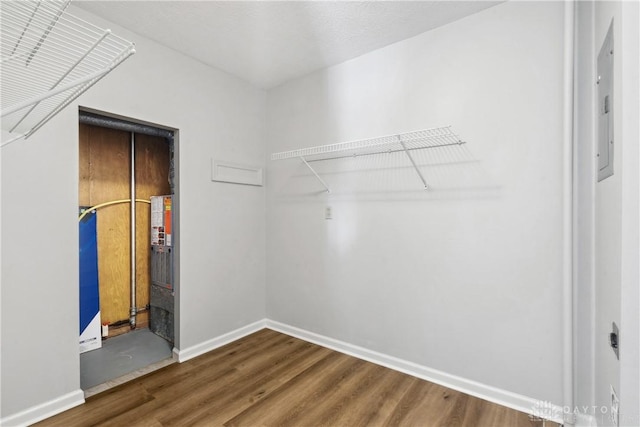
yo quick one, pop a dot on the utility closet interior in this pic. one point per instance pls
(448, 189)
(126, 262)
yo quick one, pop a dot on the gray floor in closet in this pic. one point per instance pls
(122, 355)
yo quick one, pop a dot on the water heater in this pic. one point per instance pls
(161, 298)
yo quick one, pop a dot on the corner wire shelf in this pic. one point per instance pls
(403, 142)
(49, 58)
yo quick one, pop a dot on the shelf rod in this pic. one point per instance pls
(415, 166)
(317, 176)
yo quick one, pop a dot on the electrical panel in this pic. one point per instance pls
(605, 107)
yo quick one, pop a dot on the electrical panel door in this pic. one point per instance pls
(605, 107)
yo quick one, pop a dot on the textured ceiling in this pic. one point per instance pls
(270, 42)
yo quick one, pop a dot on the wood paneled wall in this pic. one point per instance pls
(105, 175)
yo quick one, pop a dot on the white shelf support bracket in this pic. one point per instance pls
(316, 175)
(415, 166)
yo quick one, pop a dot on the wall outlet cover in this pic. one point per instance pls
(328, 213)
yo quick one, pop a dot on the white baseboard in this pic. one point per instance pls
(473, 388)
(183, 355)
(44, 410)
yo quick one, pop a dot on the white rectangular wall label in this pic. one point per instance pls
(235, 173)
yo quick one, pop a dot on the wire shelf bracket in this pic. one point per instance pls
(403, 142)
(49, 58)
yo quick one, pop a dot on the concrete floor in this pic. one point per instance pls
(122, 358)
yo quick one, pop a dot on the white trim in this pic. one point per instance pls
(199, 349)
(44, 410)
(568, 219)
(473, 388)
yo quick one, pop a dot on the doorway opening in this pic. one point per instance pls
(127, 246)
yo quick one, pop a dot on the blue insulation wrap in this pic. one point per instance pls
(89, 296)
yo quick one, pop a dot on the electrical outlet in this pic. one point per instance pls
(615, 407)
(614, 340)
(328, 213)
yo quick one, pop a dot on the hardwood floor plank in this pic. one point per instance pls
(318, 396)
(292, 400)
(417, 395)
(473, 413)
(255, 391)
(271, 379)
(355, 401)
(250, 383)
(383, 401)
(110, 404)
(187, 377)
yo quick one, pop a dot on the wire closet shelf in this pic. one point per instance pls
(49, 58)
(403, 142)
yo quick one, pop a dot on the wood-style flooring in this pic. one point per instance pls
(272, 379)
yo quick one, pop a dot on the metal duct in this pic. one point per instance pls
(109, 122)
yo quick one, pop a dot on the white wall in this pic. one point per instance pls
(616, 221)
(607, 248)
(608, 232)
(466, 278)
(221, 226)
(630, 277)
